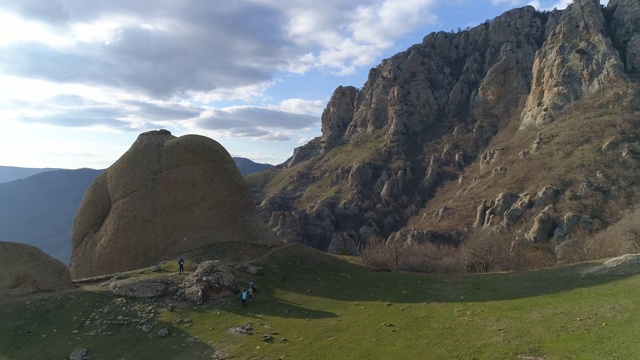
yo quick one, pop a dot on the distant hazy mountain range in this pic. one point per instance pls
(38, 206)
(40, 209)
(10, 173)
(247, 166)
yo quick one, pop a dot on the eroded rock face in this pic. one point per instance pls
(343, 243)
(542, 226)
(626, 28)
(27, 269)
(577, 58)
(337, 115)
(165, 196)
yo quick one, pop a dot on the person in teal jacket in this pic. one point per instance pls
(244, 297)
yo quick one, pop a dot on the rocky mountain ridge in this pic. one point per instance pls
(451, 135)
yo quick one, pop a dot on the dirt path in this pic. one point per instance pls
(8, 297)
(268, 253)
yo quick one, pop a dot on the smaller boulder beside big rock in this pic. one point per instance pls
(27, 269)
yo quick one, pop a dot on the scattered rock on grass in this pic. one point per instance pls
(255, 270)
(79, 354)
(242, 330)
(219, 355)
(138, 288)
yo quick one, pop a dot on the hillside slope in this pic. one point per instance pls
(525, 126)
(314, 305)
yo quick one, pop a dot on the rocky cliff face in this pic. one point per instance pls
(448, 77)
(578, 58)
(453, 133)
(165, 196)
(625, 23)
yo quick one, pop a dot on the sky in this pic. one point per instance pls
(80, 80)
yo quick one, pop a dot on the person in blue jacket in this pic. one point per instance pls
(244, 297)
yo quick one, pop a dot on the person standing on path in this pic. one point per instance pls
(181, 265)
(244, 297)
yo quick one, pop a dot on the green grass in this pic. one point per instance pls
(327, 307)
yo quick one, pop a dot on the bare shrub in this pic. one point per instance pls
(487, 251)
(431, 258)
(586, 247)
(622, 237)
(537, 256)
(633, 238)
(626, 233)
(426, 258)
(379, 256)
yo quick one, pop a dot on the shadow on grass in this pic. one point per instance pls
(54, 326)
(266, 303)
(303, 270)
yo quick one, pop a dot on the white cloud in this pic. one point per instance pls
(252, 122)
(560, 4)
(341, 36)
(382, 23)
(300, 106)
(274, 129)
(540, 5)
(168, 53)
(303, 140)
(128, 66)
(14, 29)
(177, 48)
(508, 2)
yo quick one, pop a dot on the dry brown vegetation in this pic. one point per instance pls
(572, 151)
(426, 258)
(623, 237)
(487, 251)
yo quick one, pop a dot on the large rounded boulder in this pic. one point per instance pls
(27, 269)
(165, 196)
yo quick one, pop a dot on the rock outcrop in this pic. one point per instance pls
(27, 269)
(165, 196)
(577, 59)
(626, 29)
(628, 264)
(337, 116)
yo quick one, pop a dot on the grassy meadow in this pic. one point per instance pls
(318, 306)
